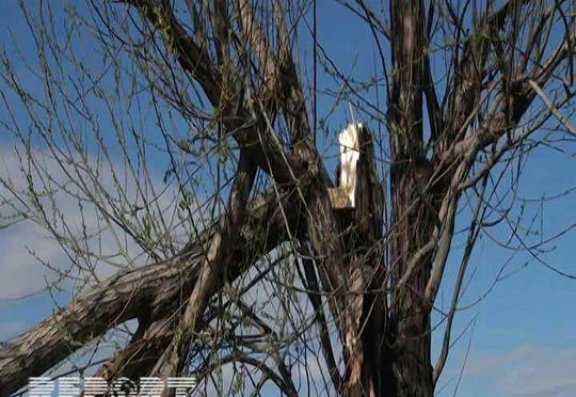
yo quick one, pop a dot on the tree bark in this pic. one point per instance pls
(413, 215)
(380, 288)
(150, 294)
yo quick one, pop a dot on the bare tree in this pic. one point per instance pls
(246, 256)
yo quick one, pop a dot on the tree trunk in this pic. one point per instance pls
(413, 214)
(379, 287)
(391, 353)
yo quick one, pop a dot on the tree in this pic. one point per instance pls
(214, 93)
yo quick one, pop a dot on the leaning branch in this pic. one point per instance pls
(213, 271)
(151, 293)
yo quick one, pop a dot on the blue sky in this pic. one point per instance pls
(523, 338)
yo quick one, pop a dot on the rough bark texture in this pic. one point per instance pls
(379, 285)
(413, 216)
(149, 294)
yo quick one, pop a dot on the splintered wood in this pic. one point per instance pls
(339, 198)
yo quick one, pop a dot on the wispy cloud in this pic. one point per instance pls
(526, 371)
(26, 248)
(22, 272)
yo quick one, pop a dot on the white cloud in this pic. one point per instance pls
(22, 273)
(527, 371)
(26, 244)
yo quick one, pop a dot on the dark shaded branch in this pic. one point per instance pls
(469, 74)
(212, 275)
(313, 288)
